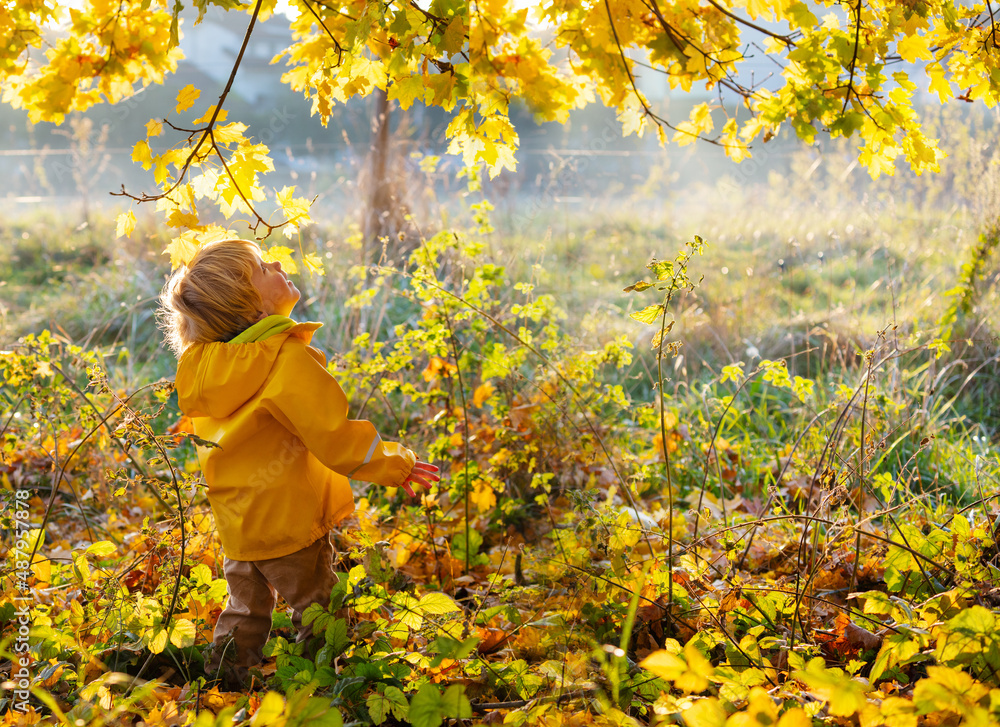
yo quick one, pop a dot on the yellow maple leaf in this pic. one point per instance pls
(186, 98)
(483, 496)
(142, 154)
(153, 128)
(939, 84)
(736, 148)
(689, 672)
(283, 255)
(701, 118)
(204, 185)
(632, 116)
(180, 218)
(365, 71)
(313, 263)
(878, 161)
(182, 248)
(207, 116)
(408, 89)
(482, 393)
(760, 8)
(229, 133)
(504, 159)
(295, 209)
(914, 47)
(125, 224)
(454, 35)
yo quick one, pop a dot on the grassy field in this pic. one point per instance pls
(816, 431)
(809, 274)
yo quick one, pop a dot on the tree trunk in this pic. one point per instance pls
(384, 213)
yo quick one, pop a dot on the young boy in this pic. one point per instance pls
(278, 480)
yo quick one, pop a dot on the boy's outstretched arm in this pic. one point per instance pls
(309, 402)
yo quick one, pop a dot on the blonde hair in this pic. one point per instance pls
(213, 297)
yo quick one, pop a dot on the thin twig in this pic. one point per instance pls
(207, 131)
(743, 21)
(854, 59)
(465, 414)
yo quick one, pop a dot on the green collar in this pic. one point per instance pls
(262, 330)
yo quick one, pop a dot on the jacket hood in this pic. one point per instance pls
(215, 379)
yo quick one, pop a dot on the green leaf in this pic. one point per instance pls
(448, 648)
(649, 314)
(336, 636)
(397, 701)
(458, 547)
(455, 704)
(313, 612)
(876, 603)
(894, 580)
(662, 269)
(900, 649)
(426, 709)
(800, 15)
(973, 620)
(407, 613)
(201, 574)
(378, 707)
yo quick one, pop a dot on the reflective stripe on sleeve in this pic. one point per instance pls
(371, 449)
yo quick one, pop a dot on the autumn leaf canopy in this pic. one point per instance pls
(850, 69)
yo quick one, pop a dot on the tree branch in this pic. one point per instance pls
(783, 38)
(993, 24)
(854, 59)
(340, 50)
(207, 131)
(647, 111)
(253, 210)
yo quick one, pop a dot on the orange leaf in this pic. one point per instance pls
(483, 393)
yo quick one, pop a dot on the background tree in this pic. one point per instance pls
(846, 68)
(385, 209)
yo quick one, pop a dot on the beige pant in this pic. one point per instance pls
(301, 578)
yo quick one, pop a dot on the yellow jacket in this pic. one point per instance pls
(278, 479)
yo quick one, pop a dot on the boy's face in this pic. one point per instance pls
(278, 294)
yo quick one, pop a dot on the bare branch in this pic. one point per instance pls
(647, 111)
(854, 59)
(253, 210)
(340, 50)
(207, 131)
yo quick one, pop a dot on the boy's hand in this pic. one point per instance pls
(423, 474)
